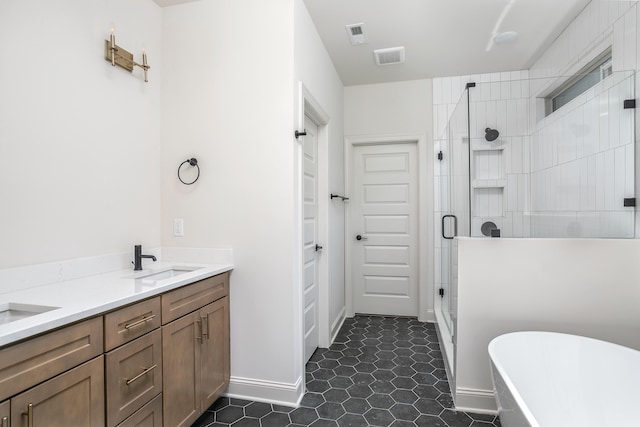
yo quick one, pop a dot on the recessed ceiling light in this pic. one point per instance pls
(505, 37)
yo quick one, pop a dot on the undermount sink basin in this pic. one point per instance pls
(156, 276)
(11, 311)
(161, 275)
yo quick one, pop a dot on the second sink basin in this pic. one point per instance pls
(157, 275)
(11, 311)
(166, 274)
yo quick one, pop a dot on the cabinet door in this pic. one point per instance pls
(5, 414)
(75, 398)
(181, 348)
(215, 350)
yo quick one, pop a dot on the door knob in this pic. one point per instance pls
(318, 247)
(360, 237)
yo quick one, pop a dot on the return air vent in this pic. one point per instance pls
(356, 34)
(394, 55)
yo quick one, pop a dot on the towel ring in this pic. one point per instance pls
(193, 162)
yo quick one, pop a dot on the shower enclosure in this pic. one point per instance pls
(513, 164)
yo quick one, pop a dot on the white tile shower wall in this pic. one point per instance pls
(590, 146)
(581, 162)
(604, 157)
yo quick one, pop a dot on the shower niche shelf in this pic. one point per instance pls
(489, 183)
(482, 148)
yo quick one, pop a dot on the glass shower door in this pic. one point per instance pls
(454, 201)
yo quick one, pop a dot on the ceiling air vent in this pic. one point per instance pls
(356, 34)
(393, 55)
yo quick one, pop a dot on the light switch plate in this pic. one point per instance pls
(178, 227)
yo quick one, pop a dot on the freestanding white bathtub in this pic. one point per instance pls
(546, 379)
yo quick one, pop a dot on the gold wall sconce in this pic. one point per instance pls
(122, 58)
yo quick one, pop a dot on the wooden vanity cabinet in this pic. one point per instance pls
(75, 398)
(5, 413)
(195, 351)
(158, 362)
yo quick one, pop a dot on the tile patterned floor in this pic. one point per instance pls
(380, 371)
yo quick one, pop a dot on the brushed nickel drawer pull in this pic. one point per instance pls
(29, 415)
(5, 422)
(205, 321)
(138, 322)
(141, 374)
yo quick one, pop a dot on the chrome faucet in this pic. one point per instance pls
(137, 253)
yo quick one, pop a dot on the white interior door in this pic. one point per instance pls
(384, 214)
(310, 196)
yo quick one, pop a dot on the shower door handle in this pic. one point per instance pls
(455, 226)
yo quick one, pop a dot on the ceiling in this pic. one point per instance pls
(441, 37)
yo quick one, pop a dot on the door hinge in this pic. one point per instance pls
(441, 292)
(629, 103)
(440, 156)
(630, 201)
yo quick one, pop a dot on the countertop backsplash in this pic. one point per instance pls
(85, 287)
(31, 276)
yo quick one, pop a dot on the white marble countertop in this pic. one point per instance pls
(92, 295)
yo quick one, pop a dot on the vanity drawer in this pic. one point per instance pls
(133, 376)
(149, 416)
(192, 297)
(28, 363)
(131, 322)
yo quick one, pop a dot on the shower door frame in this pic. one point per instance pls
(459, 208)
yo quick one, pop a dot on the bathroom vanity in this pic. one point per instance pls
(159, 359)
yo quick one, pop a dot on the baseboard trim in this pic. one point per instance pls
(337, 324)
(277, 393)
(476, 400)
(431, 317)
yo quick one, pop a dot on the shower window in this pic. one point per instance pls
(587, 78)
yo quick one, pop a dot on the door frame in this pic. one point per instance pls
(425, 217)
(308, 106)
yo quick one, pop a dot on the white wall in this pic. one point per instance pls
(228, 99)
(586, 287)
(400, 108)
(314, 69)
(388, 108)
(79, 139)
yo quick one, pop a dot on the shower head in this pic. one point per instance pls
(491, 134)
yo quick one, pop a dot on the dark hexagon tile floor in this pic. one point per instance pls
(380, 371)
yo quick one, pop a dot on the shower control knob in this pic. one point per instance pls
(360, 237)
